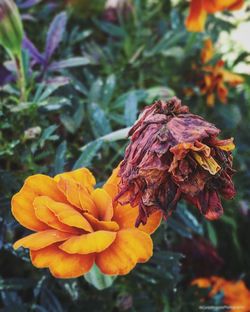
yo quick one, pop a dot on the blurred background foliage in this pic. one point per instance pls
(90, 70)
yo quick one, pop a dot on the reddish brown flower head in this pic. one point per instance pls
(174, 154)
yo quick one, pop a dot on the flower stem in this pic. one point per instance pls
(21, 76)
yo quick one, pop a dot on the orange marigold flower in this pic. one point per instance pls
(77, 225)
(174, 154)
(214, 79)
(200, 8)
(236, 294)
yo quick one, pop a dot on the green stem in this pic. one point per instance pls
(21, 77)
(112, 137)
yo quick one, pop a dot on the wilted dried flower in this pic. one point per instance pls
(174, 154)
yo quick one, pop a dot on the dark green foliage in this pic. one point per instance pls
(101, 77)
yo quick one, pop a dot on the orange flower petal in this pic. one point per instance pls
(101, 225)
(44, 214)
(44, 185)
(22, 202)
(202, 282)
(23, 210)
(208, 51)
(126, 216)
(89, 243)
(227, 4)
(114, 179)
(103, 203)
(77, 194)
(67, 214)
(88, 204)
(82, 176)
(236, 5)
(212, 6)
(222, 92)
(197, 16)
(153, 222)
(130, 246)
(71, 190)
(112, 190)
(61, 264)
(231, 78)
(41, 239)
(210, 99)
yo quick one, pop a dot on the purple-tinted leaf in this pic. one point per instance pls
(71, 62)
(5, 76)
(10, 66)
(55, 34)
(28, 17)
(33, 51)
(28, 3)
(52, 6)
(58, 81)
(51, 85)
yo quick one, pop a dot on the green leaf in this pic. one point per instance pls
(45, 90)
(99, 280)
(71, 62)
(179, 228)
(72, 123)
(157, 93)
(229, 116)
(212, 233)
(15, 284)
(121, 100)
(60, 157)
(68, 123)
(47, 135)
(189, 219)
(130, 109)
(88, 153)
(175, 52)
(72, 288)
(108, 89)
(111, 29)
(96, 91)
(99, 122)
(54, 103)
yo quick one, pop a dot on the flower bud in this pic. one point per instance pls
(11, 28)
(174, 154)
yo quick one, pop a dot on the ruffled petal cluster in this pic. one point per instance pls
(216, 78)
(212, 78)
(76, 225)
(174, 154)
(235, 294)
